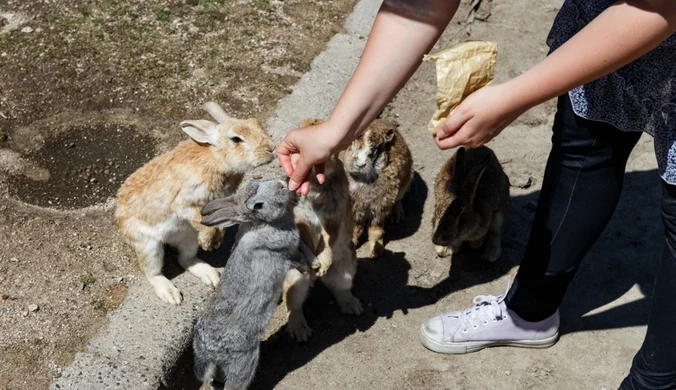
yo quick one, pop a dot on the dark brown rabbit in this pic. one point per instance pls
(379, 168)
(471, 200)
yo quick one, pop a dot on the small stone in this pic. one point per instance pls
(71, 145)
(508, 373)
(523, 181)
(24, 314)
(5, 297)
(92, 180)
(14, 260)
(82, 286)
(120, 279)
(3, 54)
(33, 308)
(27, 30)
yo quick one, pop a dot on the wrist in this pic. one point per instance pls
(339, 134)
(521, 94)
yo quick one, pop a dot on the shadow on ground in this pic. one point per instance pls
(626, 254)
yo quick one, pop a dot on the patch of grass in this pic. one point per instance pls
(39, 342)
(162, 15)
(275, 86)
(97, 21)
(249, 32)
(3, 137)
(98, 305)
(209, 2)
(88, 280)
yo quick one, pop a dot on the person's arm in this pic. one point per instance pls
(404, 30)
(618, 36)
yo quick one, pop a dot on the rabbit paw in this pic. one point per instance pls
(397, 214)
(492, 253)
(206, 273)
(442, 251)
(450, 250)
(166, 291)
(324, 265)
(348, 303)
(298, 328)
(375, 249)
(210, 239)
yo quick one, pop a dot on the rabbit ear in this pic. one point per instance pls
(218, 204)
(204, 132)
(311, 122)
(472, 182)
(225, 217)
(216, 111)
(388, 137)
(458, 177)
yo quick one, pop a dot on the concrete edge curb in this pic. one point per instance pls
(145, 341)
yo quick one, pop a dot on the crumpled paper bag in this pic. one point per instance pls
(461, 70)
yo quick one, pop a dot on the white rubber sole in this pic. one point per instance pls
(474, 346)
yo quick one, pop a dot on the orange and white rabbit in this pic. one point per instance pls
(160, 203)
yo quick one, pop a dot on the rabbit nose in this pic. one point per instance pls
(361, 164)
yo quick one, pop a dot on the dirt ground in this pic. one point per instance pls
(604, 313)
(97, 73)
(89, 91)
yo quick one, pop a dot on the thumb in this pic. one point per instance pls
(299, 174)
(452, 124)
(284, 151)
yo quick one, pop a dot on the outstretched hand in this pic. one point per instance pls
(303, 149)
(479, 118)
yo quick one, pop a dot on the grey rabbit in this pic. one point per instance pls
(226, 338)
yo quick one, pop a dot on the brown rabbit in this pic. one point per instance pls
(472, 196)
(380, 170)
(324, 220)
(160, 203)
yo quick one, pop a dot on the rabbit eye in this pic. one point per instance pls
(258, 206)
(236, 140)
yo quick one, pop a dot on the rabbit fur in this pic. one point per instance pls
(380, 171)
(324, 218)
(160, 203)
(471, 201)
(226, 338)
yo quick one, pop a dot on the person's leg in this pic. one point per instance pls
(654, 366)
(581, 187)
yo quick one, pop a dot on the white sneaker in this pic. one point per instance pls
(486, 324)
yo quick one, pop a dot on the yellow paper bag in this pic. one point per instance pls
(461, 70)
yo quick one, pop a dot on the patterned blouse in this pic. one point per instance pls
(641, 96)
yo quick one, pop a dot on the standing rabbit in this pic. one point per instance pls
(324, 218)
(472, 196)
(380, 171)
(160, 203)
(226, 338)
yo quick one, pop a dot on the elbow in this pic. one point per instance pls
(433, 12)
(665, 8)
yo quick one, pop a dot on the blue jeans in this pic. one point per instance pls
(582, 185)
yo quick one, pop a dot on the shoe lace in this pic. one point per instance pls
(486, 308)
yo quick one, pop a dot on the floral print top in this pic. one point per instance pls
(641, 96)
